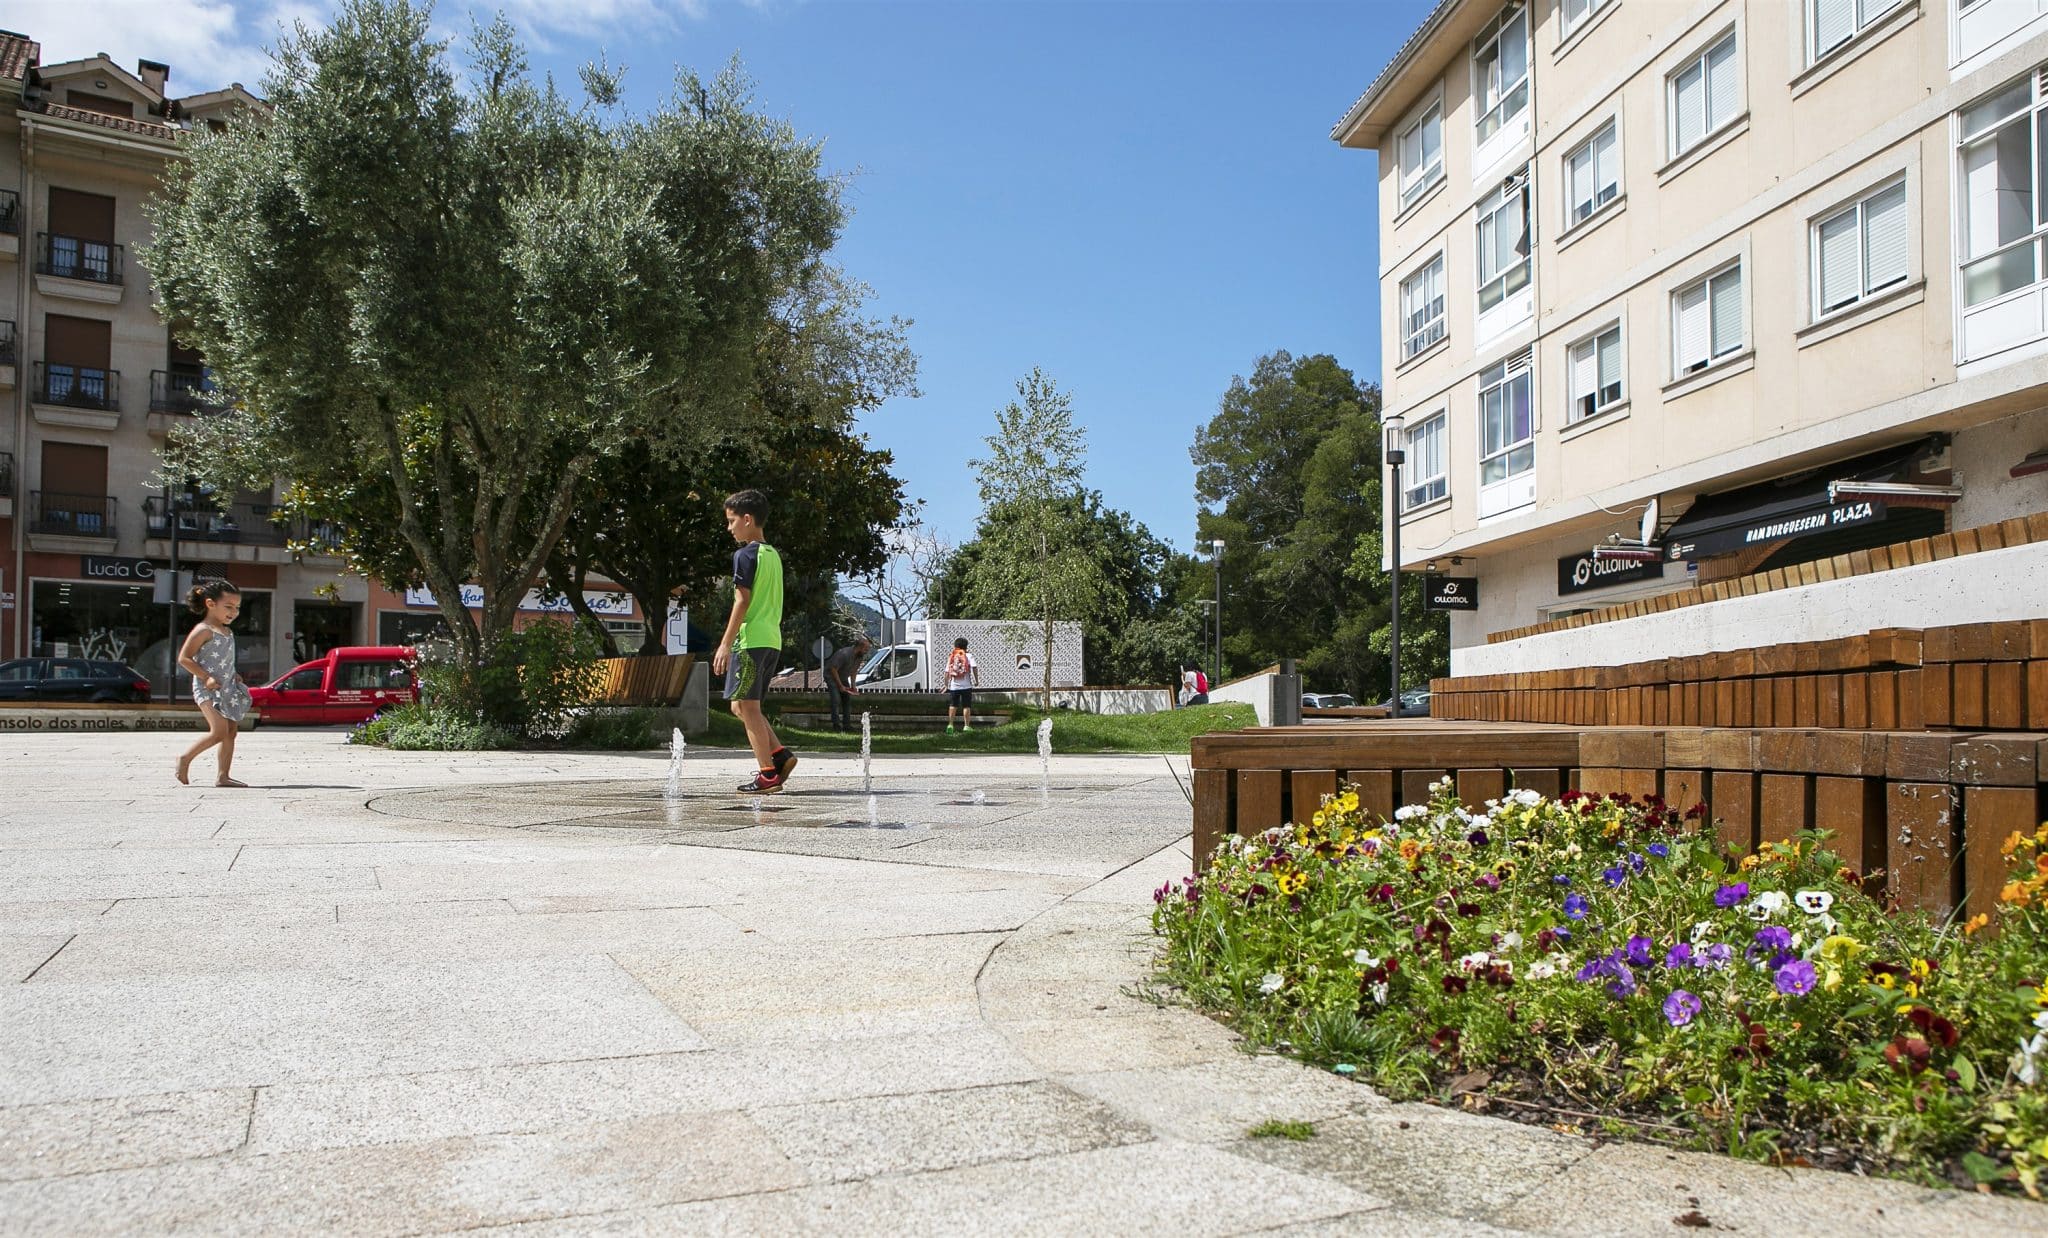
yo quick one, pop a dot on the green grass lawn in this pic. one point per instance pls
(1169, 731)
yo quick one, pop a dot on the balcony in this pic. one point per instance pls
(7, 484)
(81, 269)
(173, 395)
(10, 225)
(82, 523)
(236, 524)
(79, 396)
(6, 354)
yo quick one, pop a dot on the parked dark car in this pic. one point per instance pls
(1414, 703)
(71, 679)
(1326, 700)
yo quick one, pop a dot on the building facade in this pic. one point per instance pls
(92, 379)
(1715, 256)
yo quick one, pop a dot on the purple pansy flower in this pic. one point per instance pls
(1637, 863)
(1728, 896)
(1794, 979)
(1638, 951)
(1614, 876)
(1679, 956)
(1561, 879)
(1719, 954)
(1659, 850)
(1575, 906)
(1681, 1007)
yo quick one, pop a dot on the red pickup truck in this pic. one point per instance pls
(346, 686)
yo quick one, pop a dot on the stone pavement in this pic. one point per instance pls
(410, 993)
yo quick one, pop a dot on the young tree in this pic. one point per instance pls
(440, 301)
(1033, 561)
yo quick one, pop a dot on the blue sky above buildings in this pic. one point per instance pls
(1139, 196)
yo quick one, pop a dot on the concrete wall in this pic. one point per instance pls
(1985, 587)
(1253, 690)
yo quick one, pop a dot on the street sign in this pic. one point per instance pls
(1450, 593)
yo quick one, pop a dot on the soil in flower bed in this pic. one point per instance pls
(1599, 964)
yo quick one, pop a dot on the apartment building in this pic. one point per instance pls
(1776, 267)
(92, 380)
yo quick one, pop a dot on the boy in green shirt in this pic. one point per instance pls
(752, 643)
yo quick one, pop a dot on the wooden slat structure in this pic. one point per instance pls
(1922, 812)
(656, 682)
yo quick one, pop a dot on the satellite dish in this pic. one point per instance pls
(1650, 523)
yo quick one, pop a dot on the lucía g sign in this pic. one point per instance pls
(1450, 593)
(1578, 573)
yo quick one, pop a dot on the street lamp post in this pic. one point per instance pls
(1217, 547)
(1396, 457)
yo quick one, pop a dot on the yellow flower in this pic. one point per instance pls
(1751, 861)
(1920, 969)
(2041, 996)
(1975, 922)
(1318, 820)
(1840, 948)
(2014, 892)
(1292, 882)
(2012, 844)
(1410, 849)
(1885, 980)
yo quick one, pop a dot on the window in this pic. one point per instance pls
(1704, 95)
(2001, 180)
(1505, 241)
(1422, 153)
(1506, 427)
(1594, 371)
(305, 679)
(1576, 12)
(1706, 320)
(1422, 308)
(1427, 480)
(366, 676)
(1500, 69)
(1834, 22)
(1592, 175)
(1860, 249)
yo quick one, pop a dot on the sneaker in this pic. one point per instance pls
(785, 761)
(767, 782)
(949, 728)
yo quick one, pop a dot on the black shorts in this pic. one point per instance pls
(960, 698)
(748, 671)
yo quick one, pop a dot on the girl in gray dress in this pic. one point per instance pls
(209, 654)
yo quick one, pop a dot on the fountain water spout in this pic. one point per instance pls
(676, 746)
(1045, 761)
(867, 741)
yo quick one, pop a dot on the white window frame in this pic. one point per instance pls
(1427, 175)
(1510, 98)
(1417, 338)
(1611, 131)
(1568, 25)
(1493, 205)
(1419, 490)
(1576, 411)
(1516, 457)
(1851, 17)
(1857, 215)
(2016, 264)
(1711, 283)
(1675, 140)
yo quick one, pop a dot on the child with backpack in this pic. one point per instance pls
(961, 676)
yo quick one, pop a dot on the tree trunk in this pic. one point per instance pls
(581, 609)
(1045, 610)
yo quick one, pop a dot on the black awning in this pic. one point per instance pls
(1785, 507)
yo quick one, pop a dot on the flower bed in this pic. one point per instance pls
(1597, 960)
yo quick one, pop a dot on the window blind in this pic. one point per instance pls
(1833, 22)
(1610, 362)
(1689, 107)
(1840, 281)
(1723, 83)
(1727, 297)
(1690, 327)
(1884, 242)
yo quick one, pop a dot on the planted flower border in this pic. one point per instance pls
(1599, 959)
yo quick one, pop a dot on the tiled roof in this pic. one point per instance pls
(17, 53)
(151, 128)
(1401, 57)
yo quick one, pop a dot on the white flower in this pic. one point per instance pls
(1364, 959)
(1273, 982)
(1408, 812)
(1544, 968)
(1766, 904)
(1813, 902)
(2023, 1062)
(1379, 993)
(2041, 1020)
(1526, 797)
(1701, 931)
(1510, 940)
(1475, 960)
(1441, 784)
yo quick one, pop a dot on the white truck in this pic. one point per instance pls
(1007, 653)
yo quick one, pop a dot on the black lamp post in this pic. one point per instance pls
(1396, 457)
(1217, 548)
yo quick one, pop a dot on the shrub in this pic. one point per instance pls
(620, 730)
(443, 731)
(1598, 952)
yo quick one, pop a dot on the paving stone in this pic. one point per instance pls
(1150, 1037)
(925, 1130)
(63, 915)
(22, 954)
(1217, 1101)
(128, 1132)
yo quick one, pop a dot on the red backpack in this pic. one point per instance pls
(1201, 683)
(957, 665)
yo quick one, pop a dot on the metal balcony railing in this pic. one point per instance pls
(71, 515)
(6, 474)
(75, 257)
(77, 386)
(171, 392)
(10, 212)
(243, 524)
(6, 341)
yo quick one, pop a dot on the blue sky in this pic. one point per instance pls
(1141, 197)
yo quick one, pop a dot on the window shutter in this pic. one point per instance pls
(1607, 160)
(1833, 22)
(1582, 182)
(1723, 83)
(1411, 155)
(1610, 360)
(1431, 137)
(1884, 243)
(1727, 292)
(1585, 369)
(1839, 282)
(1689, 101)
(1689, 327)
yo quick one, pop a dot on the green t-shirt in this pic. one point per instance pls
(756, 566)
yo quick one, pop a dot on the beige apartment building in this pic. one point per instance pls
(1779, 267)
(92, 380)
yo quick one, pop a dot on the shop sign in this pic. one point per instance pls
(1450, 593)
(114, 567)
(1578, 573)
(1778, 528)
(613, 605)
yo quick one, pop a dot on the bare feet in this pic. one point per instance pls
(184, 765)
(229, 782)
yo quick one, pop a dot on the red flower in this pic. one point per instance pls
(1908, 1053)
(1445, 1040)
(1454, 984)
(1933, 1026)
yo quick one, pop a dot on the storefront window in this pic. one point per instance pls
(397, 627)
(120, 623)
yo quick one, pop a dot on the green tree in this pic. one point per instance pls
(1034, 561)
(441, 300)
(1288, 474)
